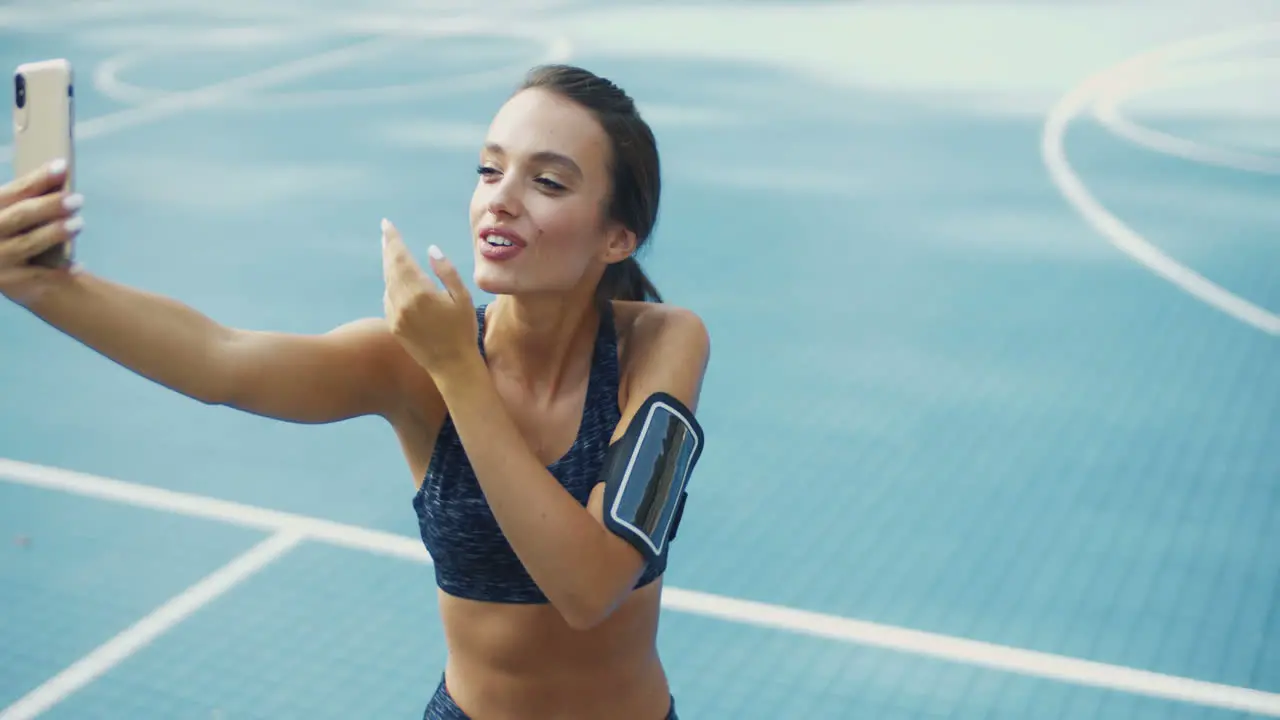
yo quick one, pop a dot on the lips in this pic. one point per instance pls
(500, 244)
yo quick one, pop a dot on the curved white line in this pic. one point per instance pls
(556, 48)
(1107, 112)
(185, 40)
(217, 93)
(1053, 153)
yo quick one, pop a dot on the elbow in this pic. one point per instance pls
(222, 383)
(586, 615)
(590, 606)
(206, 394)
(580, 622)
(213, 395)
(598, 594)
(590, 589)
(215, 400)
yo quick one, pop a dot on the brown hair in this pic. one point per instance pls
(637, 182)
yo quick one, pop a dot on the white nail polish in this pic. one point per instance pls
(57, 167)
(73, 202)
(386, 225)
(74, 224)
(435, 253)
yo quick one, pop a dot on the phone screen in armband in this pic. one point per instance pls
(644, 495)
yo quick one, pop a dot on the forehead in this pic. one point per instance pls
(540, 121)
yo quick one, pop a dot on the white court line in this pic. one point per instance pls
(830, 627)
(224, 511)
(211, 95)
(107, 81)
(1107, 112)
(826, 626)
(166, 104)
(130, 641)
(1053, 152)
(142, 633)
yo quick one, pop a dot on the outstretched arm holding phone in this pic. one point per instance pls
(278, 375)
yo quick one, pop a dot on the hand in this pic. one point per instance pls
(436, 326)
(34, 216)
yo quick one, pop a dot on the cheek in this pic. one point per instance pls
(566, 232)
(479, 203)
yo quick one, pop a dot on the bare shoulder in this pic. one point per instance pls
(664, 348)
(643, 323)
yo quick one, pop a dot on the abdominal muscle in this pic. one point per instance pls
(524, 661)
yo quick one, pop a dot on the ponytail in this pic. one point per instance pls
(626, 280)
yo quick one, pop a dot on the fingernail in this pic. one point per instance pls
(386, 225)
(74, 225)
(57, 167)
(73, 202)
(435, 253)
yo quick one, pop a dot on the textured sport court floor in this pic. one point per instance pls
(994, 408)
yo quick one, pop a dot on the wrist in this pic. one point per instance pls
(52, 290)
(460, 373)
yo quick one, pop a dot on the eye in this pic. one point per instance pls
(550, 184)
(486, 172)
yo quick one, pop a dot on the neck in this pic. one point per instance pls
(540, 340)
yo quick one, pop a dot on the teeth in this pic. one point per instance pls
(496, 240)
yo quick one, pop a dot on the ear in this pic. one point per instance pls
(620, 245)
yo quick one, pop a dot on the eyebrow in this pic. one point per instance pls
(543, 157)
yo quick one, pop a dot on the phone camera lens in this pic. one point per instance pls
(20, 90)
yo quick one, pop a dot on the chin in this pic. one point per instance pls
(493, 280)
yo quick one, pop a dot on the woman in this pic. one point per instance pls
(549, 432)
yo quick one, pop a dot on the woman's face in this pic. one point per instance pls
(537, 214)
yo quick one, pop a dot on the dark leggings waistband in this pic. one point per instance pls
(442, 706)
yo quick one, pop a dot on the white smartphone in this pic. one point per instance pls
(43, 130)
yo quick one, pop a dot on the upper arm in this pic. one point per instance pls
(351, 371)
(668, 349)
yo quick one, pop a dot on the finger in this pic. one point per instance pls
(388, 254)
(400, 284)
(35, 183)
(448, 274)
(29, 213)
(15, 251)
(401, 268)
(390, 266)
(396, 251)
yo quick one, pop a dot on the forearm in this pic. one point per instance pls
(157, 337)
(576, 562)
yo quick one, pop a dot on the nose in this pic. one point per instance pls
(505, 200)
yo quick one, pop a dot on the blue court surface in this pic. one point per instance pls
(994, 403)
